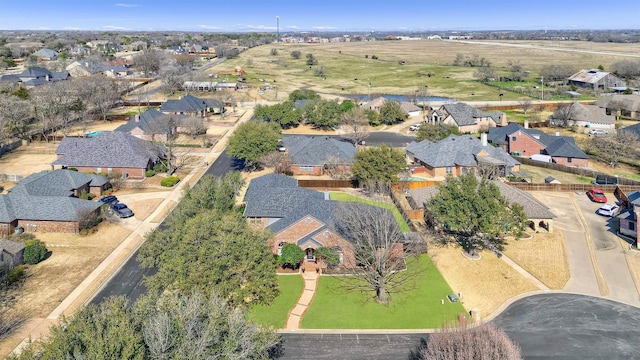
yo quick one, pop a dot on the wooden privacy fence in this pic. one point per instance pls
(572, 170)
(327, 184)
(411, 185)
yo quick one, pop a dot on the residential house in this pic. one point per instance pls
(585, 116)
(192, 105)
(300, 216)
(530, 143)
(595, 79)
(48, 202)
(318, 155)
(410, 109)
(458, 155)
(46, 54)
(109, 152)
(87, 68)
(629, 214)
(621, 105)
(34, 76)
(466, 118)
(537, 213)
(11, 255)
(153, 125)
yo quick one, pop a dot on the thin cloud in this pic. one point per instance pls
(209, 27)
(324, 27)
(125, 5)
(112, 27)
(260, 27)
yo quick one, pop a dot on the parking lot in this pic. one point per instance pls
(596, 255)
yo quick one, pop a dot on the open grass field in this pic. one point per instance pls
(340, 196)
(418, 308)
(349, 67)
(275, 315)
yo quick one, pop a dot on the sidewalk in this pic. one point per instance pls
(91, 285)
(310, 277)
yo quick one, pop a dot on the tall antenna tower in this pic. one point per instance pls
(277, 29)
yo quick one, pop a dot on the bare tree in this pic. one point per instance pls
(195, 126)
(280, 162)
(465, 343)
(148, 61)
(380, 260)
(104, 94)
(484, 73)
(14, 116)
(563, 115)
(610, 149)
(356, 124)
(525, 104)
(45, 111)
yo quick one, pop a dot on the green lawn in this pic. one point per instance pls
(275, 315)
(340, 196)
(420, 308)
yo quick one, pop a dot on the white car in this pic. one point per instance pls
(607, 210)
(598, 132)
(414, 127)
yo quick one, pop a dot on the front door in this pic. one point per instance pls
(309, 254)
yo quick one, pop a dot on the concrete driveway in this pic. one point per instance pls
(595, 255)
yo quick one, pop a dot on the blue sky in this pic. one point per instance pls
(318, 15)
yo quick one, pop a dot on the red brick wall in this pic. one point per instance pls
(574, 162)
(7, 229)
(317, 170)
(524, 144)
(131, 172)
(49, 226)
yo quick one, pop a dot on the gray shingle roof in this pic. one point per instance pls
(47, 196)
(533, 208)
(558, 146)
(318, 150)
(12, 247)
(563, 147)
(590, 113)
(189, 103)
(457, 150)
(464, 114)
(110, 149)
(153, 121)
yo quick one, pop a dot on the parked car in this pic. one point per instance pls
(108, 199)
(121, 210)
(452, 297)
(414, 127)
(597, 132)
(607, 210)
(597, 195)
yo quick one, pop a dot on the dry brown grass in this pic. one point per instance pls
(543, 257)
(27, 160)
(485, 284)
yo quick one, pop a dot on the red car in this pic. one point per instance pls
(597, 195)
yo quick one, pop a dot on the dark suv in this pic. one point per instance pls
(108, 199)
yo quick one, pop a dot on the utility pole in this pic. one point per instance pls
(542, 87)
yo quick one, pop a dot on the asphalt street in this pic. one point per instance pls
(547, 326)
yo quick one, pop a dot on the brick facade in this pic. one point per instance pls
(49, 226)
(521, 142)
(132, 173)
(571, 161)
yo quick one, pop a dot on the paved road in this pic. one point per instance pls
(128, 280)
(547, 326)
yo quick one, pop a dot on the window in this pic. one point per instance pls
(569, 160)
(632, 226)
(255, 220)
(280, 248)
(464, 171)
(449, 170)
(306, 168)
(513, 138)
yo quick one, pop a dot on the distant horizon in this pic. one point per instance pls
(248, 16)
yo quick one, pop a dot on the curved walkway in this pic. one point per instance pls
(310, 277)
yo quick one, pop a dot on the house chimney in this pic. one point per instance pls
(46, 77)
(526, 124)
(557, 133)
(137, 118)
(483, 138)
(326, 195)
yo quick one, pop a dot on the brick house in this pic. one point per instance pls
(109, 152)
(628, 216)
(520, 141)
(300, 216)
(318, 155)
(48, 202)
(465, 117)
(153, 125)
(191, 105)
(458, 155)
(537, 213)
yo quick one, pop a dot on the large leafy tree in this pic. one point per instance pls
(284, 114)
(378, 167)
(303, 94)
(325, 114)
(252, 140)
(474, 214)
(391, 113)
(208, 244)
(436, 132)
